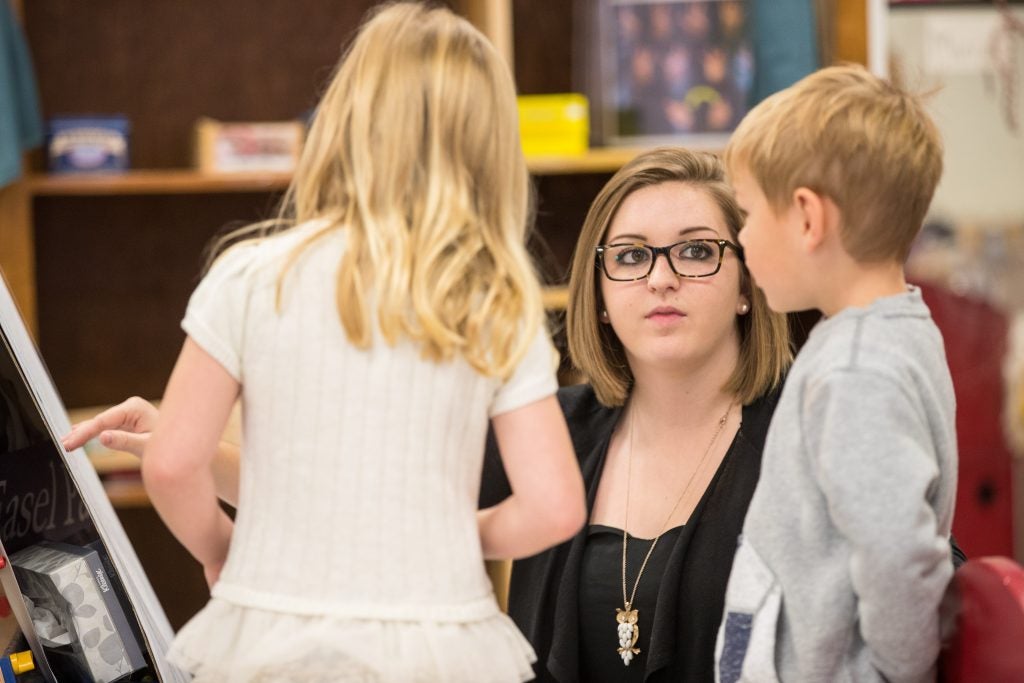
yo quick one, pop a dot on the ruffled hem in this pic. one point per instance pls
(228, 643)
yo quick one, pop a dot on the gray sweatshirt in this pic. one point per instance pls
(845, 549)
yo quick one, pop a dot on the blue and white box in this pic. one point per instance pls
(83, 144)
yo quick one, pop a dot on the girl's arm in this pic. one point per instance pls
(547, 504)
(128, 426)
(176, 466)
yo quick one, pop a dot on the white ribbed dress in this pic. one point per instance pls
(355, 554)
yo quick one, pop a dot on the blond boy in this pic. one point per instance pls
(844, 555)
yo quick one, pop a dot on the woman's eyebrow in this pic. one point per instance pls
(643, 238)
(696, 228)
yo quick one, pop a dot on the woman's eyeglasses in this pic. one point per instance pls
(634, 261)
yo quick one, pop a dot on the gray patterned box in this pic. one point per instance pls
(76, 611)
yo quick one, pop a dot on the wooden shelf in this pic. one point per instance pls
(596, 160)
(176, 181)
(188, 181)
(127, 493)
(120, 470)
(556, 298)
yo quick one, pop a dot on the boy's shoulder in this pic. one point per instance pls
(892, 335)
(885, 326)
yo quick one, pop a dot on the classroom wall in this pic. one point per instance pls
(952, 49)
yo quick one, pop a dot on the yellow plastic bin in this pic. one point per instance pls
(551, 125)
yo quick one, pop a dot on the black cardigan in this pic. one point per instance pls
(544, 592)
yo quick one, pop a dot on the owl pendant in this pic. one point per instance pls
(629, 633)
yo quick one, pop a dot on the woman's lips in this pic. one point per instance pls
(665, 313)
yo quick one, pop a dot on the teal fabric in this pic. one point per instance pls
(785, 44)
(21, 127)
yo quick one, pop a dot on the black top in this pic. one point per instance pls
(601, 596)
(545, 589)
(544, 594)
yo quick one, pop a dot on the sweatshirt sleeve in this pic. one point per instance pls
(877, 468)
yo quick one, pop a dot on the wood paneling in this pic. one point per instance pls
(114, 275)
(546, 36)
(851, 31)
(17, 251)
(164, 63)
(176, 577)
(494, 19)
(114, 271)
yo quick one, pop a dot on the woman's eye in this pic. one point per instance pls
(695, 251)
(633, 256)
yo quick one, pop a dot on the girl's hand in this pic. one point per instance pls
(125, 427)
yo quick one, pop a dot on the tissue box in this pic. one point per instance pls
(88, 636)
(78, 144)
(554, 124)
(254, 147)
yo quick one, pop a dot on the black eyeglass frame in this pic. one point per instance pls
(599, 252)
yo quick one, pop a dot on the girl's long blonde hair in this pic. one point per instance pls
(414, 152)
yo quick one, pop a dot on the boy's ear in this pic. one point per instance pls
(814, 214)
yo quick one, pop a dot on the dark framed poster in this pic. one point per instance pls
(667, 71)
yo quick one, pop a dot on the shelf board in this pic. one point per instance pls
(126, 493)
(596, 160)
(171, 181)
(189, 181)
(555, 298)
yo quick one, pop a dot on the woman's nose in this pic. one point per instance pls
(662, 276)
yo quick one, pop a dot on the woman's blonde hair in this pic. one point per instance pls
(765, 351)
(414, 152)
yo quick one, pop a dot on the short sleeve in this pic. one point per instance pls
(215, 316)
(533, 379)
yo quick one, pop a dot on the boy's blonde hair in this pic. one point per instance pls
(414, 153)
(858, 140)
(595, 349)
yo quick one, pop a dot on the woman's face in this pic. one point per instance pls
(666, 321)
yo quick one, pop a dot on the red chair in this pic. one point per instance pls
(977, 337)
(987, 645)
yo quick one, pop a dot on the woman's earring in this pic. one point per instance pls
(605, 318)
(744, 307)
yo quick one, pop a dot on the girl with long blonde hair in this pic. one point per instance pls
(372, 333)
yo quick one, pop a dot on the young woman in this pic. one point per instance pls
(683, 361)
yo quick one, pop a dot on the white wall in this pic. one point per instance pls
(983, 183)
